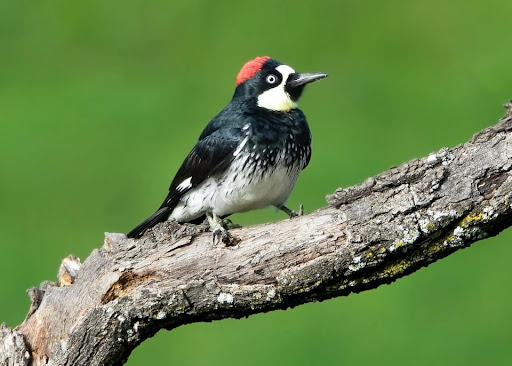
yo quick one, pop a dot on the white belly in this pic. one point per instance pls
(231, 192)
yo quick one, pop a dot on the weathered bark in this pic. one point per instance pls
(370, 234)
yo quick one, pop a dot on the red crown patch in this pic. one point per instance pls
(250, 69)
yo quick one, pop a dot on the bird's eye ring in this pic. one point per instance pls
(271, 79)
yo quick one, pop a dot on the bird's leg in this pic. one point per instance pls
(219, 232)
(216, 226)
(292, 213)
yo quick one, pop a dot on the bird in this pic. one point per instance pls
(249, 155)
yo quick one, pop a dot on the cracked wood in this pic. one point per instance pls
(370, 234)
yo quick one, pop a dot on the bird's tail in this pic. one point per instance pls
(161, 215)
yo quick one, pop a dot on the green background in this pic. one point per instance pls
(101, 100)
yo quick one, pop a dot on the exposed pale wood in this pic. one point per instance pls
(370, 234)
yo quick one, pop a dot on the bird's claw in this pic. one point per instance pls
(292, 213)
(222, 235)
(301, 210)
(228, 224)
(219, 232)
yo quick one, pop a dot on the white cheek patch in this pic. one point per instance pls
(277, 99)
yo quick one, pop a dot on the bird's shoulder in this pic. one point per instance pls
(230, 119)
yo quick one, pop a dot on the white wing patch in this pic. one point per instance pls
(277, 99)
(184, 185)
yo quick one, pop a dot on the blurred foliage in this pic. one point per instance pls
(101, 100)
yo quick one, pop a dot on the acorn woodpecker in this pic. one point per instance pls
(249, 156)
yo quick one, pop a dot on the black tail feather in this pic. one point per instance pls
(161, 215)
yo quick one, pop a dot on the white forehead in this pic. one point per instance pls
(285, 70)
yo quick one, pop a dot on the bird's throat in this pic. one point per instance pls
(276, 99)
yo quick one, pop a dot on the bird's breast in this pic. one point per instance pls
(255, 180)
(262, 173)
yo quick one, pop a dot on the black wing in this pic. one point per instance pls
(211, 155)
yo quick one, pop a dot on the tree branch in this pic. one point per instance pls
(370, 234)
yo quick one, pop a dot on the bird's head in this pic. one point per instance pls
(272, 85)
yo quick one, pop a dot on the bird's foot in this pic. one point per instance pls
(228, 224)
(219, 232)
(292, 213)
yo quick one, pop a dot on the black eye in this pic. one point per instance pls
(271, 79)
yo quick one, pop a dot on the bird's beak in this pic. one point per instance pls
(295, 79)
